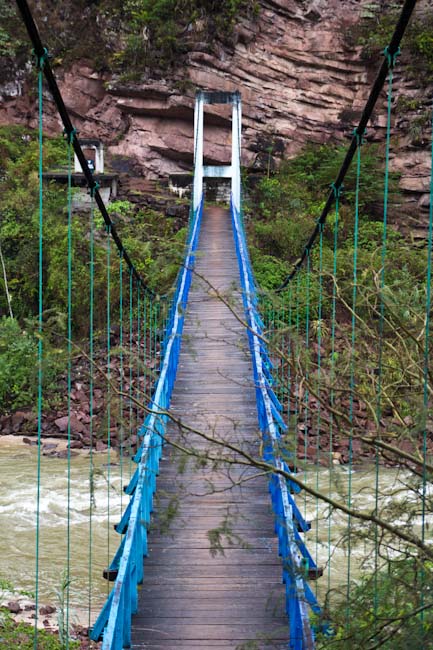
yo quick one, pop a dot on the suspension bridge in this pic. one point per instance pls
(230, 402)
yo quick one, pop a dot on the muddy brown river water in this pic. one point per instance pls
(18, 489)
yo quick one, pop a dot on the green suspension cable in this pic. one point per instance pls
(122, 427)
(109, 391)
(69, 384)
(426, 365)
(307, 372)
(337, 195)
(297, 384)
(319, 379)
(150, 322)
(91, 390)
(391, 63)
(131, 365)
(155, 333)
(138, 363)
(145, 371)
(427, 333)
(282, 325)
(40, 65)
(289, 353)
(352, 367)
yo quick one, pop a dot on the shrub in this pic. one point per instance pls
(18, 364)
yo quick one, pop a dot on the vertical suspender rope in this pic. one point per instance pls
(337, 193)
(391, 60)
(307, 371)
(289, 354)
(150, 335)
(91, 391)
(131, 350)
(352, 369)
(69, 384)
(155, 333)
(319, 386)
(297, 384)
(391, 63)
(121, 386)
(109, 391)
(40, 63)
(138, 397)
(145, 366)
(426, 365)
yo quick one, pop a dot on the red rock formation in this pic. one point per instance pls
(299, 79)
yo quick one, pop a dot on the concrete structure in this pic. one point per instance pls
(94, 151)
(217, 171)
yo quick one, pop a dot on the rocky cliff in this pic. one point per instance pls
(300, 81)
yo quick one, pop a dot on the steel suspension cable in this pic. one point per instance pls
(121, 386)
(319, 388)
(131, 363)
(138, 397)
(426, 360)
(41, 62)
(289, 354)
(91, 395)
(391, 63)
(337, 192)
(109, 389)
(352, 370)
(307, 372)
(67, 581)
(297, 382)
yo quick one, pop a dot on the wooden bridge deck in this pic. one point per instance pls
(191, 598)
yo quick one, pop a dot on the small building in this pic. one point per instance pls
(94, 153)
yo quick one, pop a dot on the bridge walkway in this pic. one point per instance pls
(192, 598)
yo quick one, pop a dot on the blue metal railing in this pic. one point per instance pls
(297, 562)
(114, 622)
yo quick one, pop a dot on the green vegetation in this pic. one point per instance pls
(404, 622)
(18, 365)
(374, 30)
(152, 241)
(370, 377)
(288, 204)
(158, 33)
(20, 636)
(9, 45)
(125, 37)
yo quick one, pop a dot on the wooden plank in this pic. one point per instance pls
(224, 631)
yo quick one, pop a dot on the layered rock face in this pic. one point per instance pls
(299, 80)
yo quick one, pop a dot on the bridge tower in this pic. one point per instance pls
(217, 171)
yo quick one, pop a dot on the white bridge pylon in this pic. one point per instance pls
(217, 171)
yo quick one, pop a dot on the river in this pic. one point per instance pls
(18, 491)
(18, 466)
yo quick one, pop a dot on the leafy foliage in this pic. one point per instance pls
(158, 33)
(373, 32)
(122, 36)
(387, 610)
(20, 636)
(18, 364)
(372, 365)
(152, 241)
